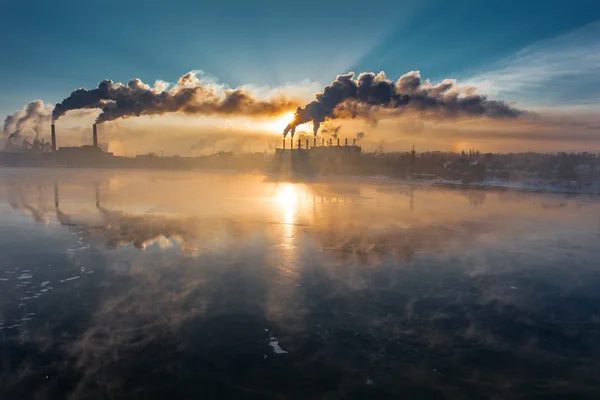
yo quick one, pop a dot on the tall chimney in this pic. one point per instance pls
(95, 136)
(323, 142)
(299, 143)
(306, 144)
(354, 142)
(315, 142)
(346, 142)
(338, 142)
(53, 135)
(284, 143)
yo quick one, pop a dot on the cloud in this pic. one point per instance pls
(561, 71)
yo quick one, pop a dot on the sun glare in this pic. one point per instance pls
(279, 123)
(287, 198)
(286, 195)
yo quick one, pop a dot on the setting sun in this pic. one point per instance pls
(278, 123)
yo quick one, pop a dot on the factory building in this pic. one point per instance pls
(328, 151)
(316, 159)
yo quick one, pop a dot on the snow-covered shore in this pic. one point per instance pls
(539, 186)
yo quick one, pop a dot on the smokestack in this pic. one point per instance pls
(346, 142)
(299, 143)
(354, 142)
(284, 143)
(306, 144)
(315, 142)
(53, 135)
(338, 142)
(323, 142)
(95, 136)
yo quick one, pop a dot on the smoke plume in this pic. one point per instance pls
(333, 131)
(347, 97)
(205, 143)
(33, 117)
(189, 96)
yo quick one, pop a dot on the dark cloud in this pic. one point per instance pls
(347, 97)
(188, 96)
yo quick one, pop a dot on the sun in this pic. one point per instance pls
(278, 124)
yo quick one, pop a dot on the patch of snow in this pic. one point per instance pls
(70, 279)
(276, 348)
(539, 185)
(44, 283)
(10, 327)
(25, 276)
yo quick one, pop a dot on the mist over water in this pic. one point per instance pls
(131, 284)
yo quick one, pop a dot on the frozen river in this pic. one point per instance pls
(129, 284)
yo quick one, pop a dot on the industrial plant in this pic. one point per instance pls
(293, 160)
(334, 156)
(41, 153)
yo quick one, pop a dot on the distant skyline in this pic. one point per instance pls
(536, 54)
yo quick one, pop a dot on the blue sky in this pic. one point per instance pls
(51, 48)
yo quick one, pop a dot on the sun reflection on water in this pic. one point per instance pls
(287, 197)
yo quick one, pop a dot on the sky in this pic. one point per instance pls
(537, 54)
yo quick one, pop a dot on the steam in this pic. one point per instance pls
(189, 96)
(32, 118)
(205, 143)
(333, 131)
(347, 97)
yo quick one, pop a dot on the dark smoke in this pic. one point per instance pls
(348, 97)
(188, 96)
(360, 135)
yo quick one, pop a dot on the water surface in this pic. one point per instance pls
(129, 284)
